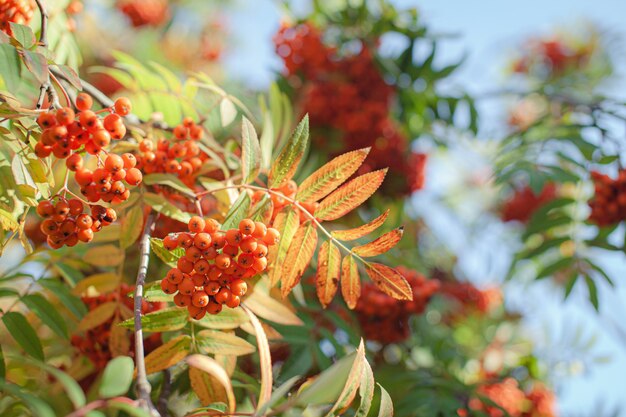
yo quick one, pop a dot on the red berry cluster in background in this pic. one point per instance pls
(553, 57)
(347, 98)
(216, 263)
(96, 342)
(182, 157)
(281, 197)
(608, 205)
(524, 202)
(16, 11)
(65, 222)
(471, 299)
(512, 401)
(145, 12)
(385, 319)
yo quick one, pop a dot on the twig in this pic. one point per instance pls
(46, 86)
(143, 386)
(165, 393)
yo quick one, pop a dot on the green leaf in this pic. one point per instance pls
(3, 367)
(62, 292)
(600, 271)
(278, 394)
(153, 292)
(23, 333)
(289, 158)
(222, 343)
(554, 267)
(39, 407)
(71, 76)
(386, 406)
(167, 256)
(129, 408)
(328, 385)
(10, 68)
(159, 204)
(237, 212)
(168, 319)
(228, 111)
(168, 180)
(132, 226)
(250, 152)
(23, 34)
(229, 318)
(117, 377)
(366, 390)
(352, 384)
(593, 293)
(47, 313)
(37, 64)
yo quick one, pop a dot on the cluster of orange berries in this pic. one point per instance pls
(524, 202)
(348, 97)
(65, 222)
(107, 182)
(512, 401)
(182, 157)
(95, 343)
(471, 299)
(385, 319)
(552, 57)
(145, 12)
(282, 197)
(608, 205)
(16, 11)
(216, 263)
(65, 132)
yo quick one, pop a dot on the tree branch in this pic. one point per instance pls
(46, 86)
(165, 393)
(143, 386)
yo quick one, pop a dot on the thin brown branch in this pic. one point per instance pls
(43, 34)
(46, 86)
(165, 393)
(143, 386)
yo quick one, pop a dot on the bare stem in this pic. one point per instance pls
(143, 386)
(165, 392)
(46, 86)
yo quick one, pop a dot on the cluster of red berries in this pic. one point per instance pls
(109, 182)
(16, 11)
(65, 222)
(96, 342)
(282, 197)
(553, 57)
(347, 96)
(145, 12)
(64, 131)
(385, 319)
(608, 205)
(471, 299)
(524, 202)
(216, 263)
(182, 157)
(512, 401)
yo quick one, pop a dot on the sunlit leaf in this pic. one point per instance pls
(286, 222)
(98, 316)
(250, 152)
(237, 212)
(167, 319)
(390, 281)
(167, 256)
(351, 386)
(100, 283)
(366, 390)
(216, 342)
(350, 195)
(359, 232)
(265, 360)
(208, 388)
(168, 354)
(380, 245)
(289, 158)
(328, 272)
(168, 180)
(386, 405)
(264, 305)
(105, 255)
(298, 257)
(160, 204)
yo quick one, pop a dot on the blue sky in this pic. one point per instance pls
(489, 32)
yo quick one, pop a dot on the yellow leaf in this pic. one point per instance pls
(330, 176)
(265, 360)
(350, 195)
(119, 340)
(359, 232)
(105, 255)
(380, 245)
(224, 343)
(350, 282)
(352, 384)
(298, 257)
(132, 225)
(390, 281)
(328, 271)
(207, 387)
(218, 378)
(97, 316)
(286, 222)
(168, 354)
(228, 362)
(263, 304)
(98, 283)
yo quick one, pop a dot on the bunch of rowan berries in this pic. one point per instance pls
(95, 342)
(471, 299)
(524, 202)
(65, 132)
(608, 205)
(282, 196)
(347, 96)
(66, 223)
(385, 319)
(145, 12)
(16, 11)
(181, 157)
(216, 263)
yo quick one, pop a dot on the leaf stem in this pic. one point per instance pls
(143, 386)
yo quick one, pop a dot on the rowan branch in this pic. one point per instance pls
(166, 387)
(143, 386)
(46, 86)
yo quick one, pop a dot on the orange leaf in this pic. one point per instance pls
(265, 359)
(97, 316)
(207, 387)
(350, 195)
(287, 222)
(350, 281)
(389, 281)
(380, 245)
(298, 257)
(330, 176)
(359, 232)
(215, 380)
(168, 354)
(328, 272)
(119, 339)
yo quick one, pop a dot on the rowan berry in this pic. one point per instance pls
(222, 296)
(185, 264)
(222, 261)
(200, 299)
(186, 286)
(134, 176)
(233, 237)
(74, 162)
(175, 275)
(238, 287)
(122, 106)
(248, 244)
(83, 102)
(170, 242)
(197, 313)
(168, 286)
(182, 300)
(76, 206)
(233, 301)
(193, 254)
(246, 226)
(196, 224)
(212, 287)
(114, 163)
(65, 116)
(272, 237)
